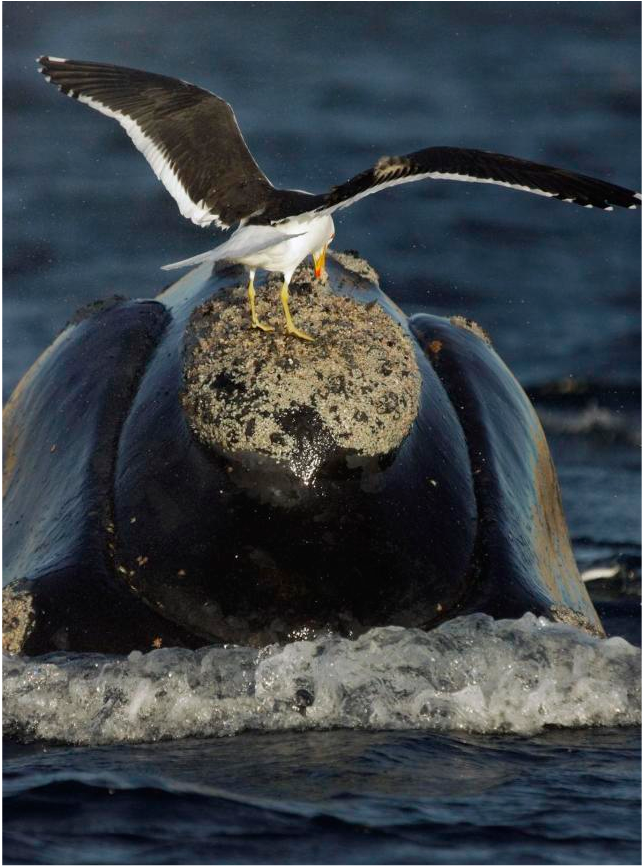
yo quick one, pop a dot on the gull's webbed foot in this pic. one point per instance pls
(290, 327)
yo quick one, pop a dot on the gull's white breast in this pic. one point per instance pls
(306, 236)
(270, 248)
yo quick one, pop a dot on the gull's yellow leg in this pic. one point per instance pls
(255, 319)
(289, 325)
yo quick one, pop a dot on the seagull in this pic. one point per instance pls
(192, 141)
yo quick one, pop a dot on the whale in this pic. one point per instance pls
(173, 477)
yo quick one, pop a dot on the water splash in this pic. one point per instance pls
(472, 674)
(606, 425)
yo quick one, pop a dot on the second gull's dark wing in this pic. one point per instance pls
(463, 164)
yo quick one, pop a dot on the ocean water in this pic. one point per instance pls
(480, 742)
(484, 741)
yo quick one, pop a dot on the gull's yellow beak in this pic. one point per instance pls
(319, 264)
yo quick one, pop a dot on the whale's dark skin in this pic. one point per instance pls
(131, 533)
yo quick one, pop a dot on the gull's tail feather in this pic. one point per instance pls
(244, 242)
(194, 260)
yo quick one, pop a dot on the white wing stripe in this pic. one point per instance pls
(197, 212)
(443, 176)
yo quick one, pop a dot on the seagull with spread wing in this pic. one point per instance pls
(192, 141)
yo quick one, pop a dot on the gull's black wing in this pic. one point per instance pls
(463, 164)
(189, 136)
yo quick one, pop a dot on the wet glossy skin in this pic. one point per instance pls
(240, 548)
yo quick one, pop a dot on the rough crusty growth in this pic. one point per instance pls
(471, 325)
(18, 615)
(357, 385)
(351, 261)
(563, 614)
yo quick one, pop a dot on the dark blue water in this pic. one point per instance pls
(321, 90)
(323, 797)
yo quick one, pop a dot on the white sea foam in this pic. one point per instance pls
(593, 420)
(473, 673)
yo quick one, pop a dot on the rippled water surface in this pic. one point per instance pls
(484, 742)
(321, 797)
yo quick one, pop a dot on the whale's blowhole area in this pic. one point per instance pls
(354, 390)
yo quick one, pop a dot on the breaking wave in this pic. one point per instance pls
(592, 421)
(603, 411)
(471, 674)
